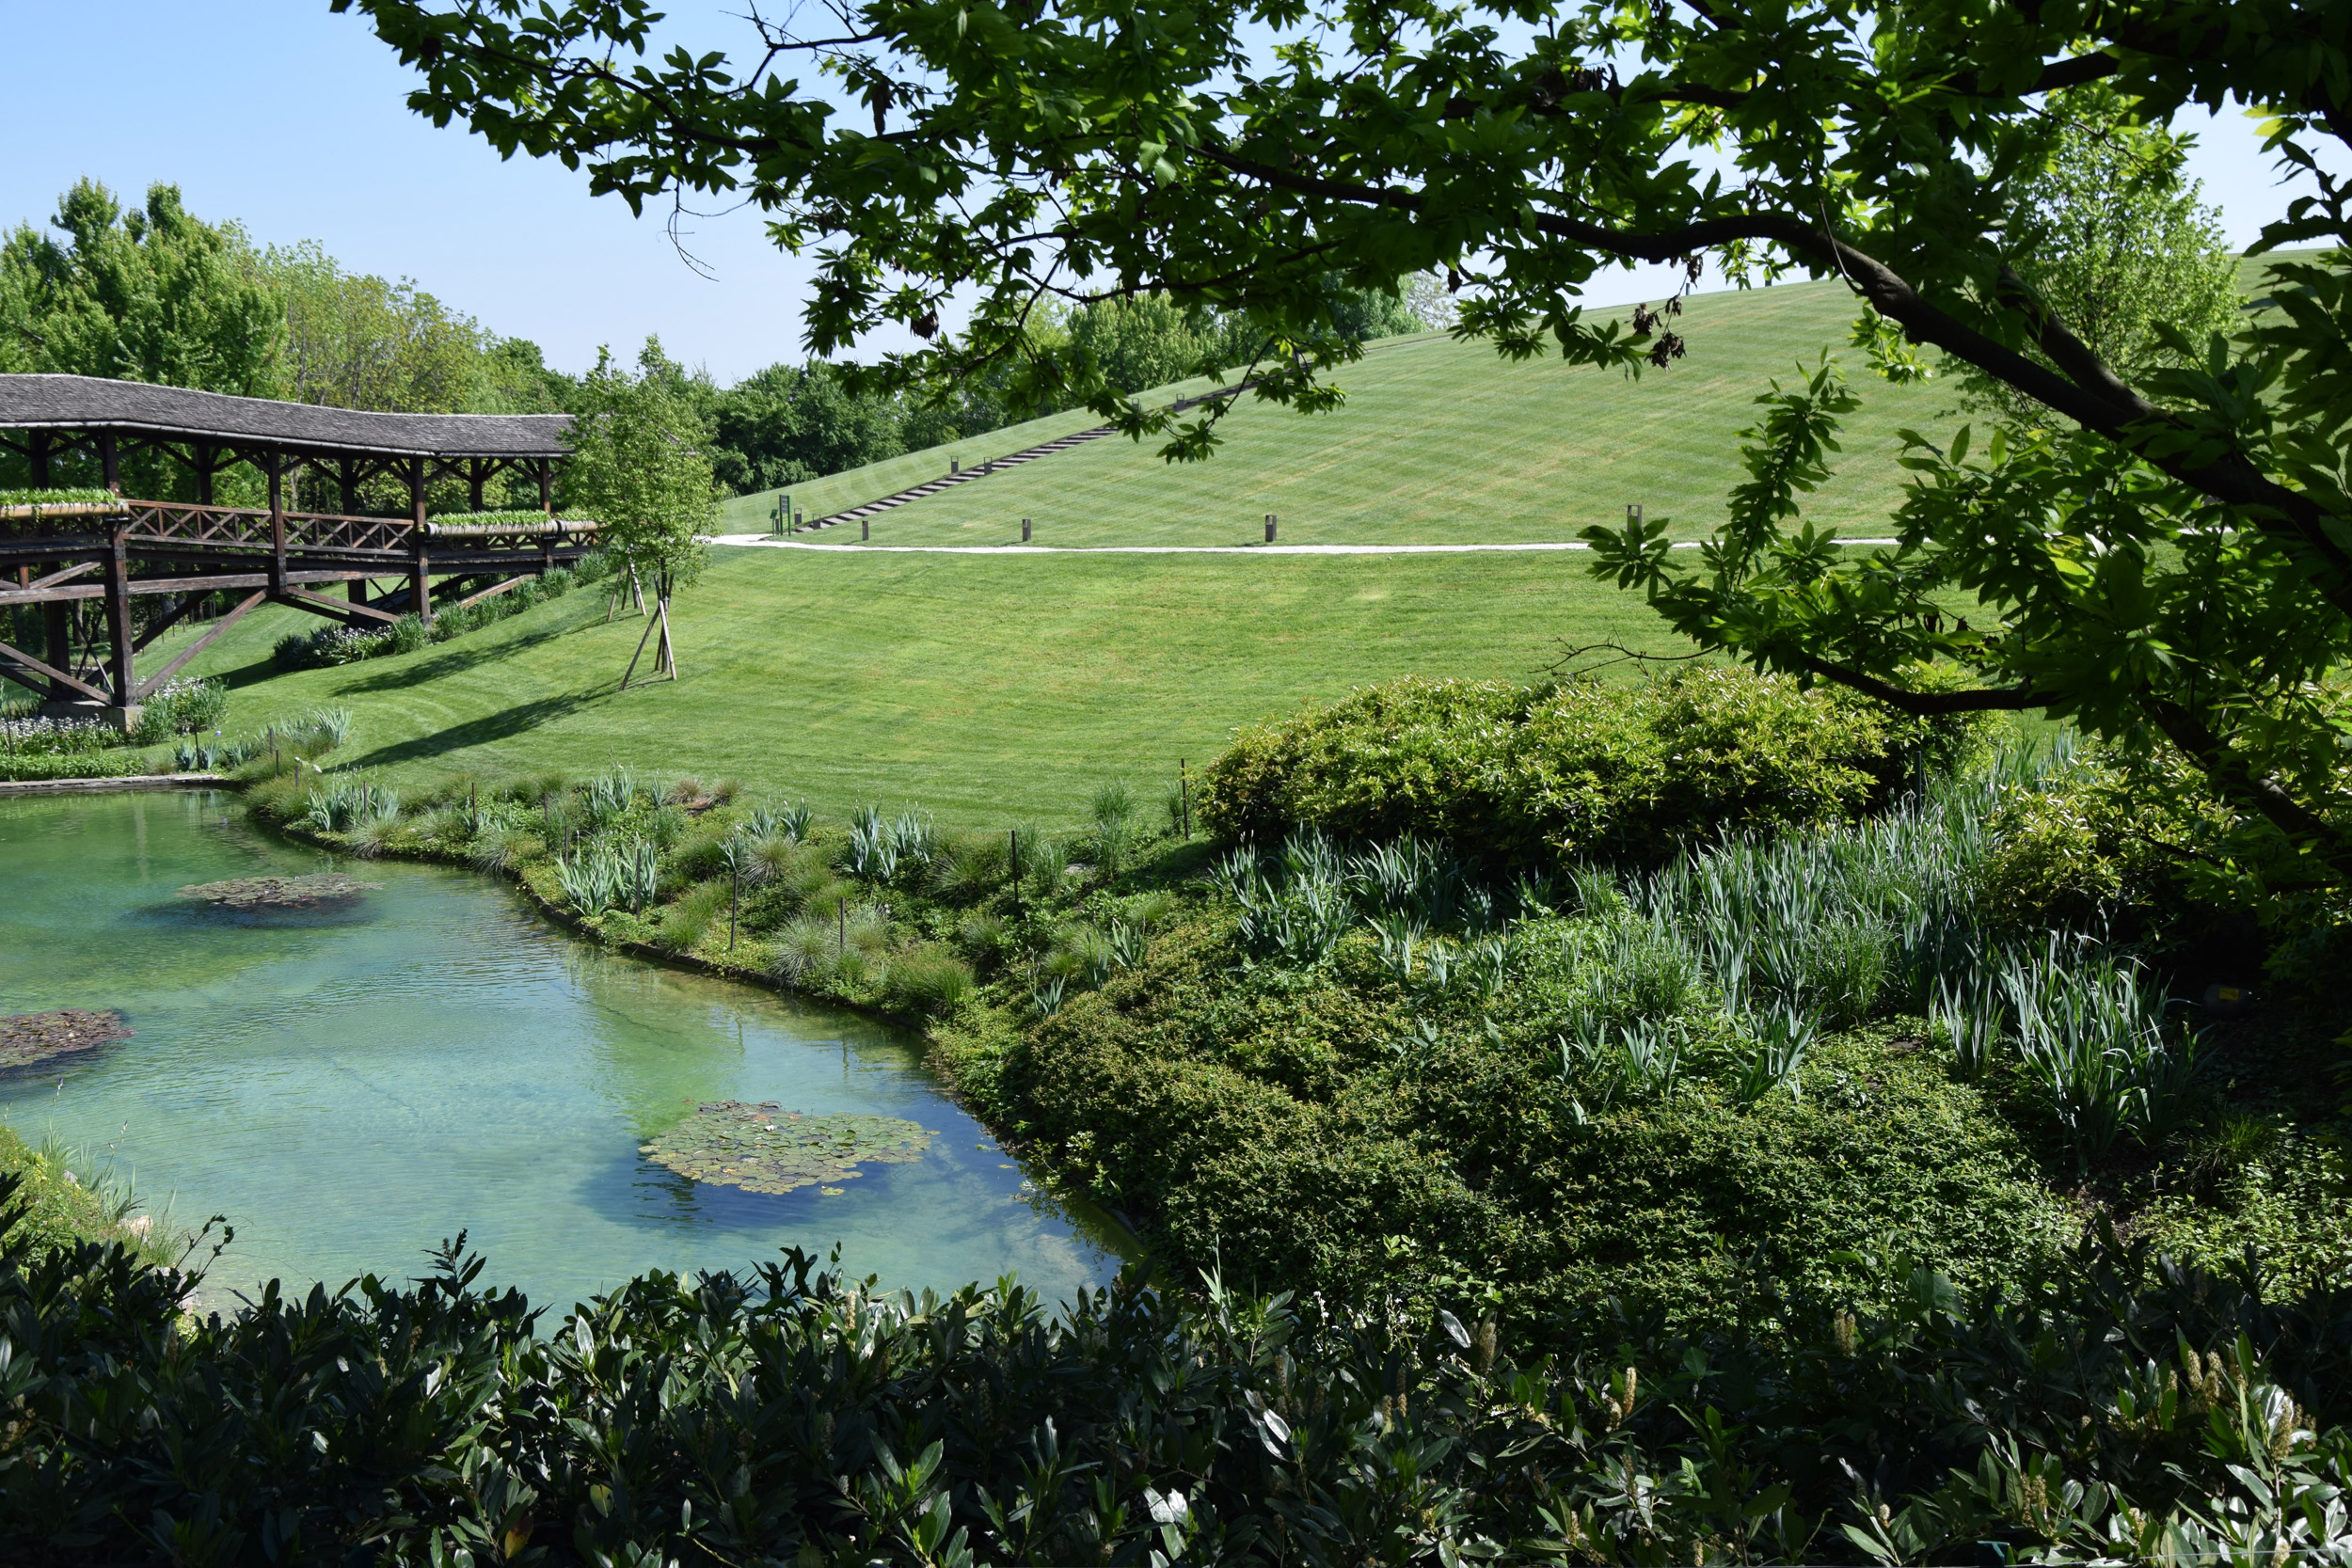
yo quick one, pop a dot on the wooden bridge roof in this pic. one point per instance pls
(85, 403)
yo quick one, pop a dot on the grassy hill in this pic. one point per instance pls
(1011, 687)
(985, 690)
(1438, 442)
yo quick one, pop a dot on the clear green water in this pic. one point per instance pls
(349, 1089)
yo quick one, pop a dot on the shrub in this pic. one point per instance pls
(182, 708)
(1548, 774)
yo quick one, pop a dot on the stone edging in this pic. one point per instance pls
(122, 781)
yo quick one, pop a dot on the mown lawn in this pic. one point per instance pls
(1438, 442)
(980, 688)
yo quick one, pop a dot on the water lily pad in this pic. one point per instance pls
(765, 1148)
(281, 893)
(27, 1038)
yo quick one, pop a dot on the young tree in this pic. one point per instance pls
(2112, 237)
(639, 468)
(2169, 565)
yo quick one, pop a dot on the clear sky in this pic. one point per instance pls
(292, 120)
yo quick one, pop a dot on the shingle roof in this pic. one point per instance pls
(175, 413)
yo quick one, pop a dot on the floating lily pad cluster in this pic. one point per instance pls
(281, 893)
(765, 1148)
(28, 1038)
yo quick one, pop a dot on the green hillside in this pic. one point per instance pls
(1439, 442)
(1011, 687)
(986, 690)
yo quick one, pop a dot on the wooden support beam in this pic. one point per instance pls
(120, 654)
(59, 682)
(37, 460)
(57, 642)
(154, 683)
(319, 604)
(54, 577)
(492, 592)
(420, 567)
(164, 622)
(276, 523)
(475, 474)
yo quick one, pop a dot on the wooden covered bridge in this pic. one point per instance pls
(173, 558)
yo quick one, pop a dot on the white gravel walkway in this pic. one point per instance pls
(760, 541)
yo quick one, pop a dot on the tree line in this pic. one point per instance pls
(152, 292)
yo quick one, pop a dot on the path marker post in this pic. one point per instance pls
(864, 529)
(1024, 530)
(1269, 528)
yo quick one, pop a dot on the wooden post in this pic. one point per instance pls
(39, 456)
(419, 580)
(1183, 795)
(347, 486)
(119, 619)
(474, 483)
(546, 472)
(357, 590)
(109, 462)
(207, 463)
(1013, 856)
(277, 524)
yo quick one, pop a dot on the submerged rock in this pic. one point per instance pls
(280, 893)
(765, 1148)
(30, 1039)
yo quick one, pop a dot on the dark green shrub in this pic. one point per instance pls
(1322, 1130)
(1566, 770)
(791, 1416)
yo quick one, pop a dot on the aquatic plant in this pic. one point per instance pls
(338, 805)
(606, 873)
(27, 1040)
(293, 893)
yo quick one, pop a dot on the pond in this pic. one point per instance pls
(349, 1085)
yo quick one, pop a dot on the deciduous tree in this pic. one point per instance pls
(640, 469)
(2171, 564)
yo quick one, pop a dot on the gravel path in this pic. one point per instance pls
(760, 541)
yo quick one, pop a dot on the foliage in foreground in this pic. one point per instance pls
(1345, 1066)
(2109, 1408)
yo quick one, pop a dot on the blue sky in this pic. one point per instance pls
(292, 120)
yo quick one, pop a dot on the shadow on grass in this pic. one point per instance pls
(453, 658)
(501, 725)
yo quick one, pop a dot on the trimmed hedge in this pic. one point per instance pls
(1573, 770)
